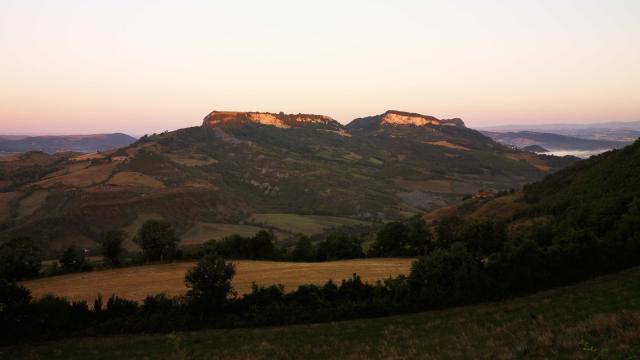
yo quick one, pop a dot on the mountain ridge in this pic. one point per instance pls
(57, 143)
(235, 165)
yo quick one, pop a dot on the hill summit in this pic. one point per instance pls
(401, 118)
(280, 120)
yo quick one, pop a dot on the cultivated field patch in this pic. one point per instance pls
(134, 179)
(447, 144)
(80, 178)
(32, 202)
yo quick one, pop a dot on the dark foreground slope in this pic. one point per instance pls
(239, 164)
(596, 319)
(591, 195)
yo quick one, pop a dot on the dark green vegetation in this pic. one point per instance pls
(552, 141)
(53, 144)
(596, 319)
(230, 169)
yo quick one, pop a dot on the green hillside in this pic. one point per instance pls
(596, 319)
(234, 166)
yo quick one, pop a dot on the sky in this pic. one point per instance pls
(148, 66)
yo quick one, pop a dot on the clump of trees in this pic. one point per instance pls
(259, 246)
(73, 259)
(412, 238)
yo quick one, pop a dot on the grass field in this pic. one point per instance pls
(202, 232)
(597, 319)
(139, 281)
(302, 224)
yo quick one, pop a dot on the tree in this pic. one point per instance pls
(304, 250)
(337, 247)
(447, 276)
(391, 240)
(262, 245)
(73, 260)
(14, 301)
(19, 258)
(111, 245)
(419, 237)
(158, 240)
(209, 282)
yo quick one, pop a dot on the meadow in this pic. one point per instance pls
(137, 282)
(302, 224)
(595, 319)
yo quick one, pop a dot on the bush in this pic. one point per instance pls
(20, 258)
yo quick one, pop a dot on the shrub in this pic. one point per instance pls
(19, 258)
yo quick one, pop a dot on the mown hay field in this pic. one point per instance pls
(139, 281)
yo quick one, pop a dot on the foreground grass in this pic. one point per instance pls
(597, 319)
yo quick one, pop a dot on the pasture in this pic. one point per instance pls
(201, 232)
(139, 281)
(302, 224)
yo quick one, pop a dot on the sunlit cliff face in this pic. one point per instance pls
(393, 117)
(280, 120)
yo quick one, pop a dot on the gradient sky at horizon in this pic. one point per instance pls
(148, 66)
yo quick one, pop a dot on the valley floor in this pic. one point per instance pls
(594, 319)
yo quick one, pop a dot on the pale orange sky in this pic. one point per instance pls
(86, 67)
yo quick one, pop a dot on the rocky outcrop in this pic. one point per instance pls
(280, 120)
(393, 117)
(401, 118)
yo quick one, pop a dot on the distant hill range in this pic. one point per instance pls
(238, 164)
(609, 131)
(553, 142)
(11, 144)
(535, 149)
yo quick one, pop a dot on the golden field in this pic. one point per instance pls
(139, 281)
